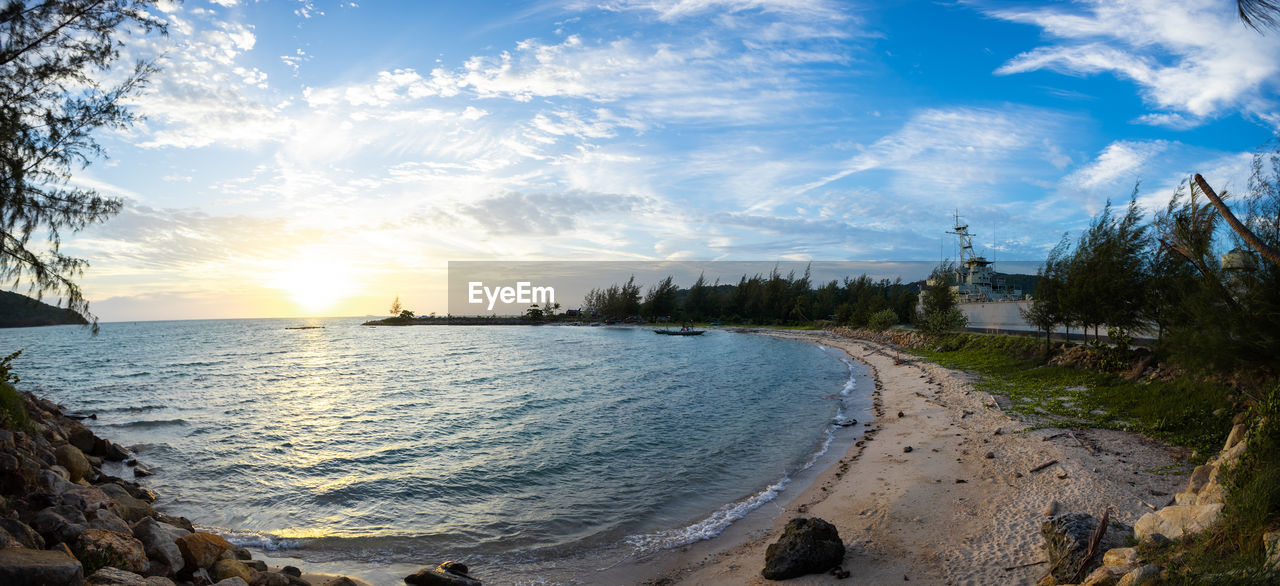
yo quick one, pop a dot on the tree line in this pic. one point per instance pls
(760, 299)
(1198, 289)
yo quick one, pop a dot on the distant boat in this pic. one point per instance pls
(680, 332)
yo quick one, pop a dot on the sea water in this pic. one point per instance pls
(519, 450)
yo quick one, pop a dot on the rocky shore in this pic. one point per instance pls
(63, 521)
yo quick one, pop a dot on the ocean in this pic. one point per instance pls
(533, 454)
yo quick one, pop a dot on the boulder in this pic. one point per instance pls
(1236, 436)
(807, 546)
(82, 438)
(131, 508)
(232, 581)
(1144, 575)
(109, 576)
(117, 549)
(60, 523)
(1066, 539)
(276, 579)
(1271, 543)
(341, 581)
(159, 541)
(52, 482)
(1121, 556)
(71, 458)
(1105, 576)
(201, 550)
(36, 567)
(107, 519)
(446, 574)
(1199, 477)
(22, 533)
(87, 498)
(1176, 521)
(223, 569)
(258, 565)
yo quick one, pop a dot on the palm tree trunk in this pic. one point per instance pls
(1250, 238)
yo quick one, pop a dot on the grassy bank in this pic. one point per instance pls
(1181, 411)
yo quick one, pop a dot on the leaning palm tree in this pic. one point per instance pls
(1258, 14)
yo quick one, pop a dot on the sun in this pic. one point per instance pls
(314, 283)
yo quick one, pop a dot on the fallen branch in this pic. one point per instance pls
(1043, 466)
(1018, 567)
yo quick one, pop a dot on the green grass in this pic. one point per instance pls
(13, 410)
(1180, 412)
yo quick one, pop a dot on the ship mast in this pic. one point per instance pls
(966, 240)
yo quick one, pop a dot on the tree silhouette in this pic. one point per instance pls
(52, 54)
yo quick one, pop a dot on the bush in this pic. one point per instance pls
(948, 320)
(881, 320)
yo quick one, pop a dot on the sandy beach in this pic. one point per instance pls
(963, 506)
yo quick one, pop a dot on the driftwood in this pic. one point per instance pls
(1094, 540)
(1043, 466)
(1249, 237)
(1020, 566)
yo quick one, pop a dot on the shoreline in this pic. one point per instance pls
(962, 507)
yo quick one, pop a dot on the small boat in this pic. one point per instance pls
(680, 332)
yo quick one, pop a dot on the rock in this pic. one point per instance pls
(276, 579)
(159, 541)
(22, 533)
(1067, 538)
(71, 458)
(53, 483)
(131, 508)
(258, 565)
(1050, 508)
(1271, 542)
(240, 553)
(87, 498)
(341, 581)
(1144, 575)
(291, 571)
(446, 574)
(991, 455)
(1237, 434)
(1120, 556)
(201, 550)
(182, 523)
(1199, 477)
(35, 567)
(1231, 455)
(233, 581)
(116, 577)
(60, 523)
(1176, 521)
(107, 519)
(1185, 498)
(1105, 576)
(907, 449)
(82, 438)
(223, 569)
(120, 550)
(807, 546)
(113, 452)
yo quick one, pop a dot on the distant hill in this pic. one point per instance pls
(20, 311)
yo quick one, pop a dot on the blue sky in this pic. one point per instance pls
(319, 158)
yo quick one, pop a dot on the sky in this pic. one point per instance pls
(316, 157)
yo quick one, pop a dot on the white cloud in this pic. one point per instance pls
(672, 10)
(1121, 161)
(1192, 59)
(940, 152)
